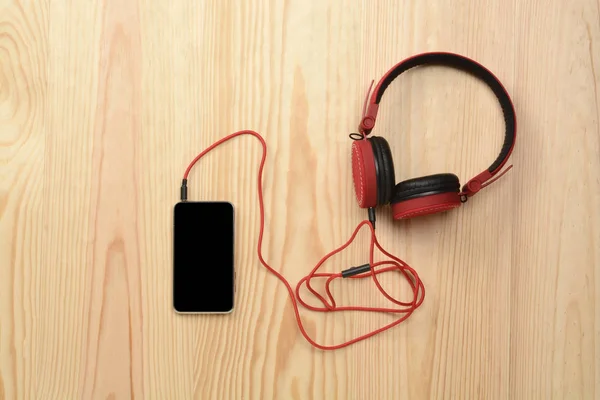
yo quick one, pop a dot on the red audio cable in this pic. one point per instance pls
(372, 269)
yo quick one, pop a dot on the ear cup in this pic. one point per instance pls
(364, 173)
(425, 195)
(432, 183)
(384, 167)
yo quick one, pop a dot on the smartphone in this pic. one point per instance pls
(203, 262)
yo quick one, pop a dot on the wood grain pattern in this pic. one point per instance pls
(102, 104)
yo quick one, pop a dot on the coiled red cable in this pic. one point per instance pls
(376, 268)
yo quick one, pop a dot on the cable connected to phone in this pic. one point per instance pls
(371, 269)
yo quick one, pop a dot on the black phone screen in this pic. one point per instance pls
(203, 269)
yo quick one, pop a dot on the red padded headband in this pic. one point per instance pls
(466, 64)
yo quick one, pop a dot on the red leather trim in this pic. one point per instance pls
(364, 174)
(425, 205)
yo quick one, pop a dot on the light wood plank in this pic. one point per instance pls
(103, 104)
(24, 47)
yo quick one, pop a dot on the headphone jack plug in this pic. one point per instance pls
(183, 190)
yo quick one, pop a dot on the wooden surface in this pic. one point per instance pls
(103, 104)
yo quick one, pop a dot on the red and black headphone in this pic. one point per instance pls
(373, 166)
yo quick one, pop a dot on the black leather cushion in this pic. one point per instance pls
(384, 165)
(426, 185)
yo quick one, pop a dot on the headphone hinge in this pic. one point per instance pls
(368, 120)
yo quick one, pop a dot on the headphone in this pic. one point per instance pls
(373, 166)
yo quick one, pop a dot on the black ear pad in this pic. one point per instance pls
(427, 185)
(384, 167)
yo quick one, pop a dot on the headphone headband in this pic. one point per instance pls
(466, 64)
